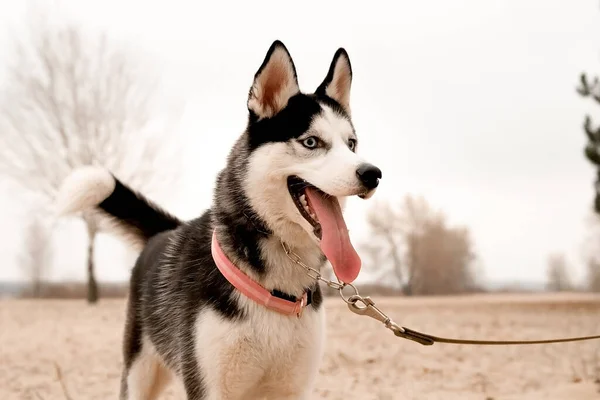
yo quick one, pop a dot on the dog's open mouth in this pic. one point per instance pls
(298, 188)
(324, 214)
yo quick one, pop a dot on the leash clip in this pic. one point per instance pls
(368, 308)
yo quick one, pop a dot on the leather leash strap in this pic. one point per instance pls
(364, 305)
(428, 340)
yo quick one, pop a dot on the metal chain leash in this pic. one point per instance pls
(361, 305)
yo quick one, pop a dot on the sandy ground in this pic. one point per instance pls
(363, 360)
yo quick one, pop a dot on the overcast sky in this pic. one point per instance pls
(469, 103)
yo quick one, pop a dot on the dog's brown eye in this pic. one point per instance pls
(310, 142)
(352, 144)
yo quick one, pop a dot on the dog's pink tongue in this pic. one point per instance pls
(335, 241)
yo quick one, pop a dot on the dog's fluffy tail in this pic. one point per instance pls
(96, 189)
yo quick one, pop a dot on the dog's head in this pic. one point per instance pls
(303, 156)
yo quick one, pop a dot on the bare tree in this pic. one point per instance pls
(36, 253)
(415, 243)
(439, 257)
(559, 279)
(384, 250)
(418, 221)
(73, 99)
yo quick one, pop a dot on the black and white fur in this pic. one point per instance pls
(184, 320)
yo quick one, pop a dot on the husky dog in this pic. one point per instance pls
(284, 185)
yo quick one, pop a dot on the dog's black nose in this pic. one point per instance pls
(369, 175)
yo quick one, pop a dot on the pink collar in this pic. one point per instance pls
(252, 289)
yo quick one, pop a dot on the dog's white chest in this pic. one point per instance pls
(266, 354)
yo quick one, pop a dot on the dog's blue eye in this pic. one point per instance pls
(310, 142)
(352, 144)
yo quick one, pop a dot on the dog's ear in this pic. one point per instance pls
(338, 80)
(274, 83)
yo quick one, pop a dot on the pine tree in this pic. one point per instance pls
(592, 148)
